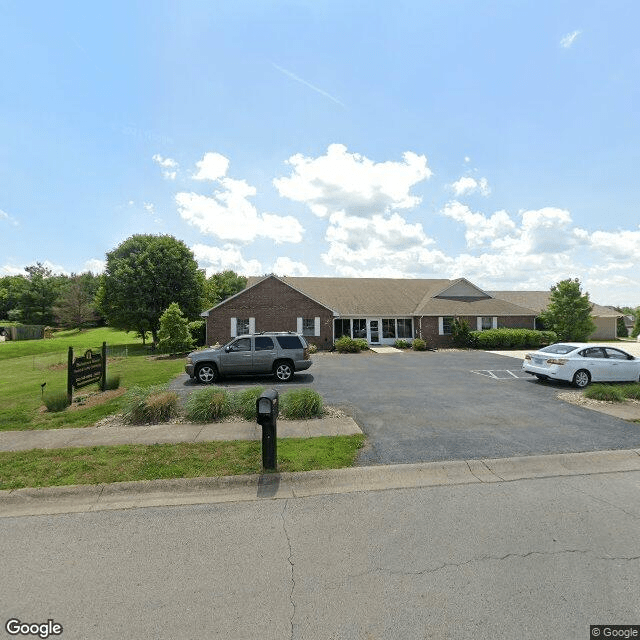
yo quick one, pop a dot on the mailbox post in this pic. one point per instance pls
(267, 413)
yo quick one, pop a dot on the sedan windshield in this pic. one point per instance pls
(561, 349)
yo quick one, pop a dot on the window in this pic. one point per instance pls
(405, 328)
(342, 327)
(289, 342)
(360, 328)
(593, 352)
(242, 326)
(308, 327)
(388, 327)
(615, 354)
(486, 322)
(263, 343)
(243, 344)
(446, 325)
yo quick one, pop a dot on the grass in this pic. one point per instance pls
(613, 392)
(26, 365)
(126, 463)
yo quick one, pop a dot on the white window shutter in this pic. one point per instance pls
(252, 325)
(441, 326)
(234, 327)
(494, 323)
(479, 323)
(316, 330)
(299, 327)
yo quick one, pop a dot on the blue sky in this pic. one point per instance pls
(498, 141)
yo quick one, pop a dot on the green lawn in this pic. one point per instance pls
(126, 463)
(26, 365)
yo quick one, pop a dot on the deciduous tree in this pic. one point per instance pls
(569, 312)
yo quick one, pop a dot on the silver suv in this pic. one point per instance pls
(281, 354)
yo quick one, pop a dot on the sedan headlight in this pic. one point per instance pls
(556, 361)
(189, 360)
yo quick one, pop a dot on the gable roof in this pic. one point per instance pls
(539, 301)
(400, 296)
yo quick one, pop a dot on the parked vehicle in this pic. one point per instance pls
(581, 363)
(280, 354)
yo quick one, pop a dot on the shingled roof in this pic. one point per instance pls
(401, 296)
(539, 301)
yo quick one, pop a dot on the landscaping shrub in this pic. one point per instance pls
(300, 404)
(112, 382)
(150, 405)
(208, 405)
(631, 391)
(419, 344)
(461, 333)
(313, 348)
(56, 401)
(402, 344)
(244, 402)
(512, 338)
(345, 344)
(605, 392)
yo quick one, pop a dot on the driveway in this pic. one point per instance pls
(430, 406)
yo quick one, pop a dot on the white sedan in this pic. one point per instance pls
(582, 363)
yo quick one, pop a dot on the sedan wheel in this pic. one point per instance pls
(283, 371)
(581, 379)
(206, 373)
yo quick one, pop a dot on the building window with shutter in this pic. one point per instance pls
(242, 326)
(308, 327)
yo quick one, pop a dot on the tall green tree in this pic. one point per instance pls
(143, 276)
(75, 306)
(635, 332)
(221, 286)
(569, 312)
(11, 290)
(39, 295)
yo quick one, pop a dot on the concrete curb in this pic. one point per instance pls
(184, 491)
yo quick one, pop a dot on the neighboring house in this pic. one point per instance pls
(605, 318)
(380, 310)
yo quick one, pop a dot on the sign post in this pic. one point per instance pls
(87, 369)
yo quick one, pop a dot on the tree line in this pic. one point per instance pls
(143, 276)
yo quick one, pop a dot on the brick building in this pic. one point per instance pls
(380, 310)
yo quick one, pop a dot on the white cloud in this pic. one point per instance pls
(216, 259)
(619, 245)
(228, 214)
(467, 185)
(480, 229)
(95, 266)
(213, 166)
(353, 184)
(567, 41)
(168, 165)
(10, 219)
(287, 267)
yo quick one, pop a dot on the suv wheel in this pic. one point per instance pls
(206, 373)
(283, 371)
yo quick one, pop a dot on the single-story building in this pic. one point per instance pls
(605, 318)
(380, 310)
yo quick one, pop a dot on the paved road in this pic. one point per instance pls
(527, 559)
(419, 407)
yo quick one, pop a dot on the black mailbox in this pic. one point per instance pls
(267, 413)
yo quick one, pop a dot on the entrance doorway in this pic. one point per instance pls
(374, 331)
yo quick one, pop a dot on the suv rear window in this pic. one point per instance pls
(289, 342)
(264, 344)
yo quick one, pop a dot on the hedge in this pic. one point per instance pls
(511, 339)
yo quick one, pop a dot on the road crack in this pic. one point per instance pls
(289, 559)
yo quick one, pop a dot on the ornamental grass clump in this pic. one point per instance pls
(244, 402)
(631, 391)
(300, 404)
(56, 402)
(606, 392)
(209, 405)
(419, 344)
(150, 405)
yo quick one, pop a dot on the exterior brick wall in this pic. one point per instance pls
(275, 307)
(430, 327)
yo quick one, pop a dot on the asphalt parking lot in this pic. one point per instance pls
(430, 406)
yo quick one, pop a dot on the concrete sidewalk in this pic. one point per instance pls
(171, 433)
(184, 491)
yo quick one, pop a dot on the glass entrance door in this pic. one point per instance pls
(374, 332)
